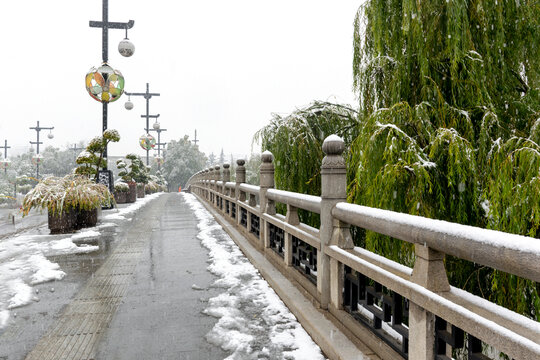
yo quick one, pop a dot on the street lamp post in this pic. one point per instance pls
(5, 147)
(37, 142)
(147, 95)
(159, 144)
(105, 25)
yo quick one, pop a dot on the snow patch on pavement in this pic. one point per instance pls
(125, 213)
(23, 259)
(253, 322)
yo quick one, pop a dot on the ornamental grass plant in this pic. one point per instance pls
(72, 192)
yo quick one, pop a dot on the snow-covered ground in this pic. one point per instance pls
(253, 322)
(24, 263)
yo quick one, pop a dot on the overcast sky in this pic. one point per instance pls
(222, 67)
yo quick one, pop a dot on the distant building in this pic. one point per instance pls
(111, 165)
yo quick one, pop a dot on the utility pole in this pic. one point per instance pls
(37, 142)
(5, 147)
(147, 95)
(105, 25)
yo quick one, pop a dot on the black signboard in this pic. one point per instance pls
(105, 177)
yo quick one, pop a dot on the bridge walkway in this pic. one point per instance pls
(152, 297)
(140, 304)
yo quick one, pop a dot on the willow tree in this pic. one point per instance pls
(296, 142)
(449, 91)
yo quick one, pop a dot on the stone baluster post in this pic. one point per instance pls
(240, 178)
(430, 273)
(225, 191)
(204, 183)
(226, 177)
(209, 176)
(217, 177)
(292, 219)
(333, 190)
(266, 172)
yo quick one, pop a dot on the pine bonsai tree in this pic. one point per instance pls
(91, 160)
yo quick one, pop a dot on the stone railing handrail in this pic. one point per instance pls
(511, 253)
(250, 189)
(252, 209)
(301, 201)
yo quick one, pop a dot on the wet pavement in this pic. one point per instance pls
(160, 317)
(133, 299)
(12, 222)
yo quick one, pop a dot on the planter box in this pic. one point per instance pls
(63, 222)
(132, 194)
(140, 191)
(121, 197)
(86, 218)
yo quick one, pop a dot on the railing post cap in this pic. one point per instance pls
(333, 145)
(216, 167)
(267, 157)
(241, 162)
(226, 166)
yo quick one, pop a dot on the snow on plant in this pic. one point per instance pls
(121, 186)
(58, 195)
(135, 171)
(151, 187)
(91, 160)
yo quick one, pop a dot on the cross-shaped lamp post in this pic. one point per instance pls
(103, 78)
(195, 141)
(147, 95)
(75, 150)
(5, 161)
(37, 142)
(159, 144)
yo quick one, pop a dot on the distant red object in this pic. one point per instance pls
(179, 189)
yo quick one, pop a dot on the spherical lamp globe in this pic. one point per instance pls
(147, 141)
(126, 48)
(104, 84)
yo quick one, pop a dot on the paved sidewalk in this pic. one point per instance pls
(142, 302)
(12, 222)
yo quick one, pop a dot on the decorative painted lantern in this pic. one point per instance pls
(126, 48)
(50, 135)
(156, 126)
(159, 160)
(37, 159)
(5, 163)
(147, 141)
(104, 84)
(128, 105)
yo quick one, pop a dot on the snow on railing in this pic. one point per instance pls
(511, 253)
(301, 201)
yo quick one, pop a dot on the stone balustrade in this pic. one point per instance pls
(397, 311)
